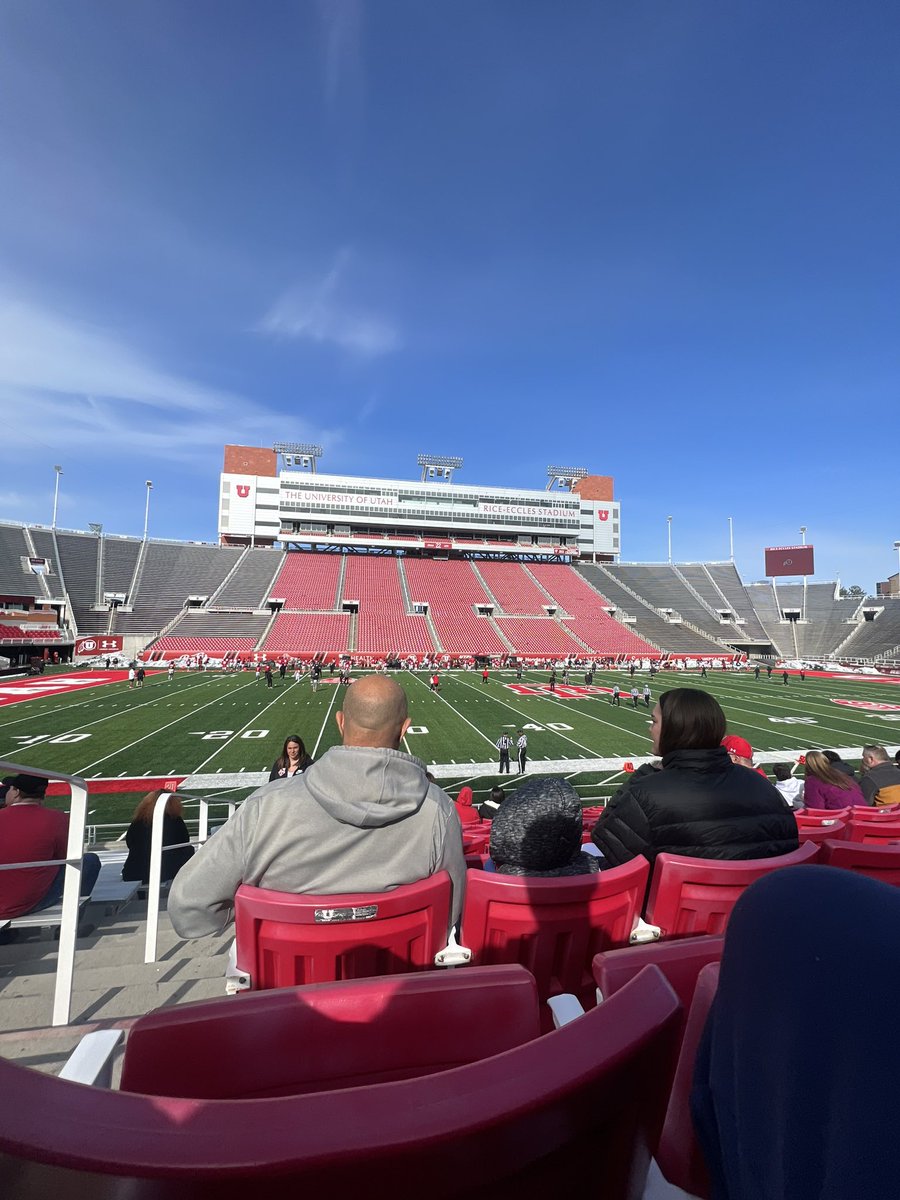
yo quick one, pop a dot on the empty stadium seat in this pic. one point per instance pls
(879, 862)
(817, 831)
(823, 814)
(537, 1119)
(691, 896)
(282, 939)
(864, 813)
(875, 833)
(554, 927)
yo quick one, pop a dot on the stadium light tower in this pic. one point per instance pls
(669, 526)
(149, 486)
(438, 466)
(803, 543)
(299, 454)
(59, 472)
(564, 478)
(731, 537)
(897, 548)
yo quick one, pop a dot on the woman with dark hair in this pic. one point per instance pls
(293, 759)
(827, 787)
(137, 839)
(699, 804)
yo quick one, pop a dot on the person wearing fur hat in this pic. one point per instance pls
(537, 831)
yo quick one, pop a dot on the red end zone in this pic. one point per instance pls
(37, 686)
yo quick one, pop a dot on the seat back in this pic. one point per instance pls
(285, 939)
(878, 862)
(294, 1041)
(876, 833)
(532, 1121)
(680, 961)
(679, 1155)
(827, 814)
(690, 896)
(554, 927)
(862, 812)
(817, 831)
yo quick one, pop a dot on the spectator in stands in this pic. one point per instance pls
(838, 763)
(537, 831)
(293, 759)
(880, 778)
(741, 752)
(4, 788)
(825, 787)
(700, 803)
(363, 819)
(29, 832)
(137, 839)
(789, 785)
(467, 814)
(787, 1105)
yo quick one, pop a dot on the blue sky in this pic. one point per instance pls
(658, 239)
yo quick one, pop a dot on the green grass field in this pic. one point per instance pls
(223, 725)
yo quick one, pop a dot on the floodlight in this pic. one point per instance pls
(566, 472)
(438, 466)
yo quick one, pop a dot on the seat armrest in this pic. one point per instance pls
(91, 1060)
(643, 932)
(453, 955)
(236, 980)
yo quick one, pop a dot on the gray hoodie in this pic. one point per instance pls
(358, 820)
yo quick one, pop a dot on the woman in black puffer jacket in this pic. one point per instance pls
(700, 803)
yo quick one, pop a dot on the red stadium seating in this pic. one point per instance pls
(874, 833)
(554, 927)
(309, 633)
(589, 621)
(284, 939)
(535, 636)
(864, 813)
(383, 625)
(879, 862)
(215, 647)
(818, 831)
(691, 896)
(514, 590)
(451, 590)
(534, 1120)
(823, 814)
(308, 582)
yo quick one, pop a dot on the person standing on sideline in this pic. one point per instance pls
(315, 673)
(553, 680)
(504, 744)
(522, 748)
(803, 677)
(131, 677)
(768, 672)
(784, 678)
(646, 695)
(565, 676)
(756, 673)
(258, 672)
(614, 698)
(269, 682)
(282, 667)
(634, 696)
(484, 675)
(703, 671)
(139, 677)
(171, 673)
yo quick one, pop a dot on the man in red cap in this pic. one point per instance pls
(741, 752)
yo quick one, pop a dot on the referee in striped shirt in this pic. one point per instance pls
(522, 749)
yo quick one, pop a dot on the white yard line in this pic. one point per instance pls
(325, 722)
(237, 733)
(457, 713)
(152, 733)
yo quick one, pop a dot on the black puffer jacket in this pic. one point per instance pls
(700, 804)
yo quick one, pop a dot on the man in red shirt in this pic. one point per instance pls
(30, 832)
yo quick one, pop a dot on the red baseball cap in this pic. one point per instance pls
(738, 745)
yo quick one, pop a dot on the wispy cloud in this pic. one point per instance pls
(66, 383)
(319, 312)
(341, 23)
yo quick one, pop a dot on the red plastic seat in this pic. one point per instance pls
(876, 833)
(680, 961)
(554, 927)
(537, 1119)
(879, 862)
(284, 939)
(817, 820)
(690, 896)
(678, 1155)
(818, 831)
(863, 812)
(826, 813)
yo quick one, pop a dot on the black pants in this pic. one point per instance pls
(523, 759)
(504, 762)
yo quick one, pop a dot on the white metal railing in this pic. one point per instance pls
(68, 930)
(151, 935)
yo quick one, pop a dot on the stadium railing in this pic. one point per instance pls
(68, 929)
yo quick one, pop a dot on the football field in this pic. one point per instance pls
(210, 729)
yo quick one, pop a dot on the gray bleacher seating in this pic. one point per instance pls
(661, 587)
(170, 573)
(15, 581)
(249, 586)
(727, 580)
(877, 636)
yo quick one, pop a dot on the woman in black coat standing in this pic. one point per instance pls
(699, 803)
(293, 759)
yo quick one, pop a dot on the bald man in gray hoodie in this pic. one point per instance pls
(364, 818)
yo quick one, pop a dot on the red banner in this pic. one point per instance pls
(90, 647)
(437, 544)
(789, 560)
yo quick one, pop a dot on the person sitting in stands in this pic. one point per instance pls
(838, 763)
(464, 809)
(364, 818)
(880, 781)
(787, 1104)
(29, 832)
(825, 787)
(137, 839)
(699, 803)
(293, 759)
(789, 785)
(537, 831)
(741, 752)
